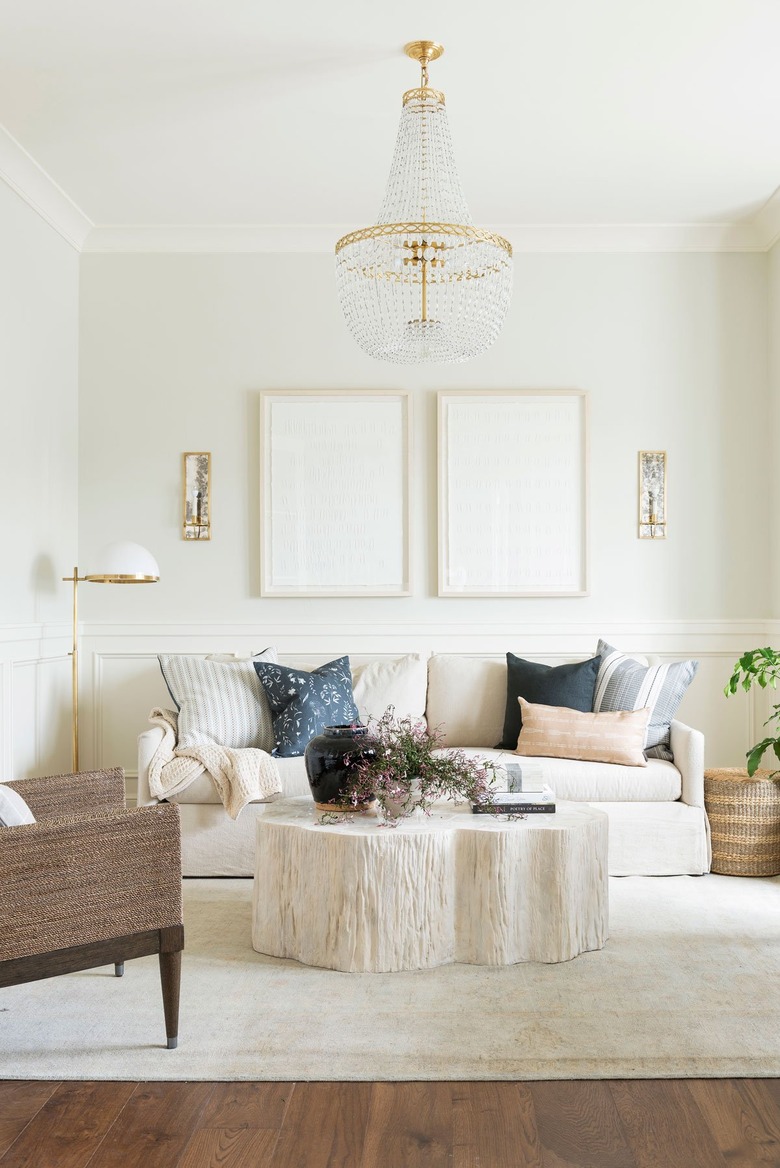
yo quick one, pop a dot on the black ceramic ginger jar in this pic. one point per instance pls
(329, 759)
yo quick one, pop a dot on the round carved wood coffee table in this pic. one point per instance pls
(451, 887)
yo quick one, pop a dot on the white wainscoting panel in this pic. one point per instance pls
(35, 701)
(121, 679)
(41, 718)
(126, 686)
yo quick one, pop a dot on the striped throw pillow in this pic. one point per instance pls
(220, 702)
(560, 732)
(624, 684)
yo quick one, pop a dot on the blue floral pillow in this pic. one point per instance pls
(303, 703)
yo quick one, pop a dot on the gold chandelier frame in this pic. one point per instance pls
(462, 231)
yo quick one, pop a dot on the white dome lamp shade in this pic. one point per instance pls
(120, 563)
(125, 563)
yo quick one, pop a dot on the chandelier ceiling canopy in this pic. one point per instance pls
(423, 284)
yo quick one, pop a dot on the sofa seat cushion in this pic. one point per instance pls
(292, 772)
(658, 782)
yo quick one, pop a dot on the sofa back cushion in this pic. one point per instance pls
(304, 703)
(13, 809)
(626, 684)
(401, 682)
(219, 699)
(467, 698)
(571, 684)
(560, 732)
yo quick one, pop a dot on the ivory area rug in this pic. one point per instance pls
(686, 986)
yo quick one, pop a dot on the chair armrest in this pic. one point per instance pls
(148, 742)
(74, 881)
(70, 795)
(688, 750)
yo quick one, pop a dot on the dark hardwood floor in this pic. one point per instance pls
(695, 1123)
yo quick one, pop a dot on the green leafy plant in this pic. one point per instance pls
(759, 667)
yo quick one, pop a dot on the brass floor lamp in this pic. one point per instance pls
(121, 563)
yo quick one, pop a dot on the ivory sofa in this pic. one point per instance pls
(657, 822)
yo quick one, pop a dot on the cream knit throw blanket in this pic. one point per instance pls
(240, 776)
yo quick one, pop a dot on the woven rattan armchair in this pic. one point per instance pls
(90, 883)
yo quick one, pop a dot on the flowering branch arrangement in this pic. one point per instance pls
(406, 767)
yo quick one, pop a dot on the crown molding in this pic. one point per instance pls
(223, 238)
(632, 237)
(526, 238)
(39, 190)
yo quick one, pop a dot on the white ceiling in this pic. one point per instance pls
(226, 112)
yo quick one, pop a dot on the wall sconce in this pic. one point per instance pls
(652, 494)
(196, 495)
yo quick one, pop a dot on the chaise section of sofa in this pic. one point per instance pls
(657, 822)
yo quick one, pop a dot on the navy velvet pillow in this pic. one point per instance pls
(548, 685)
(303, 703)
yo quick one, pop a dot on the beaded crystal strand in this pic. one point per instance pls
(424, 284)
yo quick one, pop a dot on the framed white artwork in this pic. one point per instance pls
(513, 493)
(335, 492)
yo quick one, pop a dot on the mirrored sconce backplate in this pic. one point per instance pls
(196, 495)
(652, 494)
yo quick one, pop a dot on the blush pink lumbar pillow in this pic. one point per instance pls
(558, 732)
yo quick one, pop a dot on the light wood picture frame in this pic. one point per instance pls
(513, 492)
(335, 492)
(653, 481)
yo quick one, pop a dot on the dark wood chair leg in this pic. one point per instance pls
(119, 969)
(170, 977)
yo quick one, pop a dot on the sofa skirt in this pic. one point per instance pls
(645, 839)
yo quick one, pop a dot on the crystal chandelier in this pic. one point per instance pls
(424, 284)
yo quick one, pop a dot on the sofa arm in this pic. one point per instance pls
(148, 742)
(76, 881)
(688, 750)
(83, 793)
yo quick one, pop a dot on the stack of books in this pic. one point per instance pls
(527, 794)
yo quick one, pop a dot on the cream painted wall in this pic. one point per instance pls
(39, 277)
(671, 348)
(773, 491)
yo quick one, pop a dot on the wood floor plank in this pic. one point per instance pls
(743, 1118)
(324, 1126)
(663, 1125)
(230, 1147)
(260, 1105)
(154, 1127)
(620, 1124)
(409, 1124)
(10, 1129)
(69, 1127)
(21, 1098)
(494, 1124)
(579, 1126)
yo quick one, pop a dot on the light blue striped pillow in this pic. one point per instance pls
(220, 702)
(623, 683)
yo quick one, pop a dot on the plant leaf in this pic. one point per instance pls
(755, 755)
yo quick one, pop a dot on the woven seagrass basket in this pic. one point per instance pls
(744, 817)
